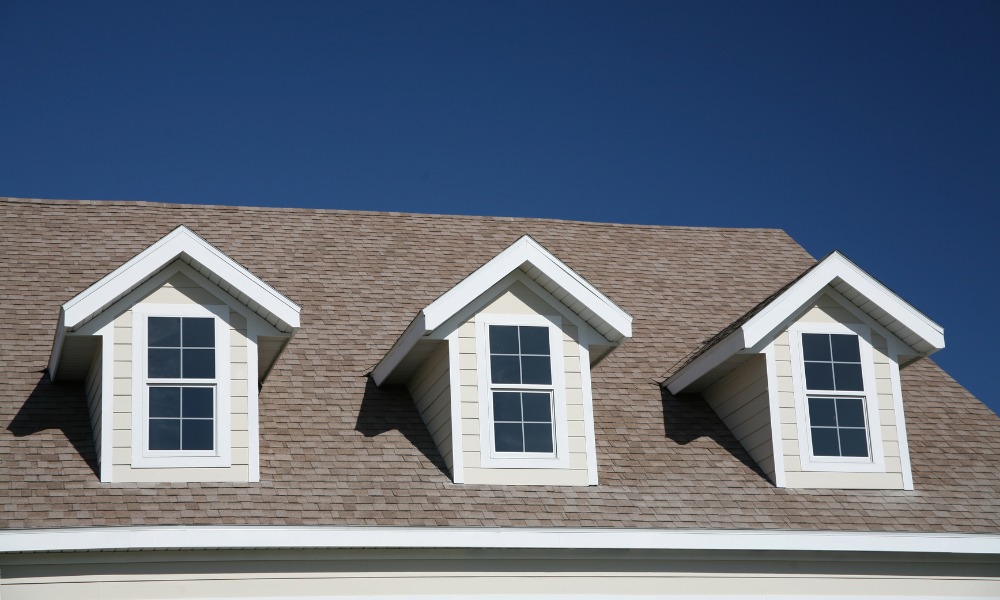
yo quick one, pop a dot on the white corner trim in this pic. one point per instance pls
(455, 386)
(588, 411)
(774, 410)
(105, 460)
(328, 537)
(779, 312)
(253, 401)
(179, 241)
(897, 404)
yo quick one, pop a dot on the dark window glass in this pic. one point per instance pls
(165, 402)
(508, 437)
(164, 331)
(819, 376)
(164, 434)
(198, 403)
(199, 364)
(848, 377)
(199, 333)
(816, 346)
(505, 369)
(537, 437)
(507, 406)
(853, 442)
(824, 441)
(164, 362)
(534, 340)
(503, 339)
(822, 412)
(536, 370)
(845, 348)
(850, 412)
(537, 407)
(197, 434)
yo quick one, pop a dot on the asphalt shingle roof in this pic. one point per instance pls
(335, 450)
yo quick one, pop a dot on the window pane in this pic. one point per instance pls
(537, 407)
(537, 437)
(845, 348)
(534, 340)
(819, 376)
(164, 434)
(853, 442)
(536, 370)
(503, 339)
(825, 441)
(164, 363)
(821, 412)
(197, 434)
(199, 364)
(199, 333)
(198, 403)
(848, 377)
(850, 412)
(507, 437)
(815, 346)
(506, 406)
(164, 402)
(505, 369)
(164, 331)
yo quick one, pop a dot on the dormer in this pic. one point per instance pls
(499, 367)
(172, 347)
(808, 381)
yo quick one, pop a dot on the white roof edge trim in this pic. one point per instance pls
(524, 250)
(167, 249)
(764, 323)
(304, 537)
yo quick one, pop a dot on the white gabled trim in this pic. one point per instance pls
(455, 385)
(233, 537)
(105, 461)
(774, 410)
(778, 313)
(180, 243)
(486, 277)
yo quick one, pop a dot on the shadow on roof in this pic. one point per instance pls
(391, 408)
(61, 406)
(688, 417)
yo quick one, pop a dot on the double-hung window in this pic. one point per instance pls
(524, 399)
(839, 425)
(182, 410)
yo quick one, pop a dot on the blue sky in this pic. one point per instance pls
(868, 127)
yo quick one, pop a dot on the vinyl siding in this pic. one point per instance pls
(431, 390)
(519, 300)
(179, 289)
(741, 401)
(828, 310)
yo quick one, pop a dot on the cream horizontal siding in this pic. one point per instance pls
(741, 401)
(179, 289)
(430, 388)
(407, 574)
(519, 300)
(828, 310)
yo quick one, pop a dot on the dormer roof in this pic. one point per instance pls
(920, 335)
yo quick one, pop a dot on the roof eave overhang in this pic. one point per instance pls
(590, 304)
(922, 335)
(180, 244)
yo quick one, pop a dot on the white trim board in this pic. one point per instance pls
(306, 537)
(833, 269)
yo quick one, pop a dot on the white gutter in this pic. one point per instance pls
(222, 537)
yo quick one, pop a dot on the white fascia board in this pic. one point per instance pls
(527, 250)
(416, 330)
(762, 325)
(180, 241)
(325, 537)
(837, 266)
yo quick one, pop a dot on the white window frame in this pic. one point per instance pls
(221, 455)
(489, 458)
(875, 462)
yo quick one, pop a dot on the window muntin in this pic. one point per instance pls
(837, 424)
(181, 418)
(837, 427)
(521, 390)
(181, 348)
(832, 362)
